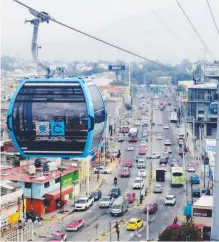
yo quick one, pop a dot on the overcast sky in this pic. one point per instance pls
(130, 24)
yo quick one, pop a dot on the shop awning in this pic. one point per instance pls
(56, 194)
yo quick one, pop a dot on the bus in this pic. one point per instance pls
(133, 135)
(177, 176)
(173, 117)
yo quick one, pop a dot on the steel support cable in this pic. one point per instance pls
(195, 30)
(95, 38)
(212, 15)
(170, 30)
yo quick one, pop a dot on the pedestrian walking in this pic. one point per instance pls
(117, 230)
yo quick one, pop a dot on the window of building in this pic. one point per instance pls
(201, 96)
(46, 184)
(201, 112)
(27, 184)
(57, 180)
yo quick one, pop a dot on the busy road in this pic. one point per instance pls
(97, 221)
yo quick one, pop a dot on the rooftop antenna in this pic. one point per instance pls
(40, 18)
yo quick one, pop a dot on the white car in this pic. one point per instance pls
(166, 126)
(159, 137)
(155, 155)
(167, 142)
(158, 188)
(105, 202)
(168, 149)
(130, 148)
(102, 170)
(160, 123)
(84, 203)
(137, 123)
(142, 172)
(138, 183)
(170, 200)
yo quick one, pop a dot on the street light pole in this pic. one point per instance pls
(147, 233)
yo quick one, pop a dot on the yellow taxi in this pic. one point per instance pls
(134, 223)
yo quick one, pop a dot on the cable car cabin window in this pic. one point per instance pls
(50, 119)
(99, 114)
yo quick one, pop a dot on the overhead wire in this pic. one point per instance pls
(170, 30)
(94, 37)
(212, 15)
(195, 30)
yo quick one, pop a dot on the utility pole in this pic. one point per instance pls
(147, 232)
(215, 210)
(110, 225)
(193, 134)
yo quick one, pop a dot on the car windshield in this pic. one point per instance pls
(124, 170)
(169, 198)
(74, 222)
(137, 180)
(82, 200)
(116, 206)
(157, 186)
(105, 199)
(95, 193)
(132, 222)
(114, 190)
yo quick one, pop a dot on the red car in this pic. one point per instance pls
(142, 151)
(131, 196)
(133, 139)
(152, 208)
(163, 166)
(128, 163)
(125, 172)
(58, 236)
(75, 225)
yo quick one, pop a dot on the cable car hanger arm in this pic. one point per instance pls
(43, 14)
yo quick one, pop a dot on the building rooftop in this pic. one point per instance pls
(204, 201)
(21, 174)
(209, 85)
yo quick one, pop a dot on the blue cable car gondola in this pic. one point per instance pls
(56, 117)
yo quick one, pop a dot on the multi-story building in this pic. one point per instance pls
(44, 191)
(202, 108)
(12, 203)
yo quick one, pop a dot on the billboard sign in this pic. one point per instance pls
(117, 68)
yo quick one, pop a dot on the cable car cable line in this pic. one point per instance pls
(195, 30)
(212, 15)
(170, 30)
(92, 37)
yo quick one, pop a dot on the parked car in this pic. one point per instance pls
(121, 138)
(124, 172)
(134, 224)
(102, 170)
(138, 183)
(128, 163)
(170, 200)
(158, 188)
(141, 163)
(105, 201)
(75, 225)
(195, 179)
(115, 192)
(131, 196)
(152, 208)
(96, 195)
(160, 123)
(167, 142)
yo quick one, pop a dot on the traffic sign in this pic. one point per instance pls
(117, 68)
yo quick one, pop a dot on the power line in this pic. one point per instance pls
(93, 37)
(215, 24)
(175, 36)
(195, 29)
